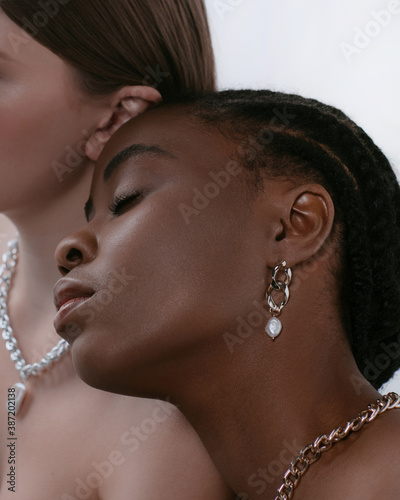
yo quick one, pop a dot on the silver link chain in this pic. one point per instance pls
(278, 285)
(25, 370)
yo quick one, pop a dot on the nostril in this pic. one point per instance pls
(63, 270)
(74, 255)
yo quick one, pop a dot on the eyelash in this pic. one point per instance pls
(119, 202)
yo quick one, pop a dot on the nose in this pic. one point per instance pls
(75, 250)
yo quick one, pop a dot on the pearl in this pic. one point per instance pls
(20, 392)
(273, 328)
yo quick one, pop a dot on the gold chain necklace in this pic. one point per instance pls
(311, 453)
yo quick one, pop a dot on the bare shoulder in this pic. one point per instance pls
(102, 446)
(162, 455)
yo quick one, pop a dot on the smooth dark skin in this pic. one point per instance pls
(162, 336)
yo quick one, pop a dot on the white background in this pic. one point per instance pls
(297, 46)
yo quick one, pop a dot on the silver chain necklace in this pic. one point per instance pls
(24, 369)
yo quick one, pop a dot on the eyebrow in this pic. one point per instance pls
(134, 151)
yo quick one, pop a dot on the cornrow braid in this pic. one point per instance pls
(316, 141)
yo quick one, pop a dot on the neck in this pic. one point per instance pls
(40, 230)
(268, 401)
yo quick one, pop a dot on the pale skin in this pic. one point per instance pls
(256, 405)
(65, 426)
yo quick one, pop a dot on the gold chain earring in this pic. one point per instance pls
(274, 325)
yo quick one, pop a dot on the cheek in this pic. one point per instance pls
(183, 274)
(184, 286)
(40, 144)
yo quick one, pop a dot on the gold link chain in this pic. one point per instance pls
(311, 453)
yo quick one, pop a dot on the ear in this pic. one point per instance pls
(306, 220)
(125, 104)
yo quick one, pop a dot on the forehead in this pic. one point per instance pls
(172, 129)
(19, 47)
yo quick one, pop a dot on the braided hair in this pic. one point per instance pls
(287, 135)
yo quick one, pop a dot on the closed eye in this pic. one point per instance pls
(121, 204)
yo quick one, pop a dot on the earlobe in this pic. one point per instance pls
(126, 103)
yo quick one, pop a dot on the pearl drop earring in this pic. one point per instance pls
(274, 325)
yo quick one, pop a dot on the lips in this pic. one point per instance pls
(68, 295)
